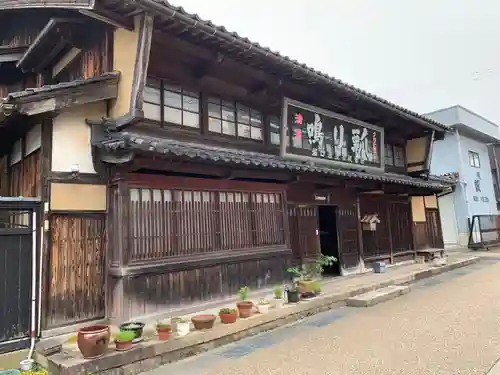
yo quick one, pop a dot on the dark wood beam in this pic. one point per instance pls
(67, 98)
(109, 18)
(206, 69)
(146, 25)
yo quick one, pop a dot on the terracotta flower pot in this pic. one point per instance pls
(121, 346)
(203, 321)
(228, 318)
(93, 340)
(245, 309)
(164, 333)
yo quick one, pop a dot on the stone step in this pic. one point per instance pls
(377, 296)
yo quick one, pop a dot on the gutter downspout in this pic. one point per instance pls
(34, 290)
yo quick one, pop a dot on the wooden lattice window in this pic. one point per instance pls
(166, 223)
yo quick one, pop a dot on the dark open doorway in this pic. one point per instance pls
(329, 237)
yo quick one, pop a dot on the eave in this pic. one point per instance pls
(57, 35)
(119, 143)
(56, 97)
(51, 4)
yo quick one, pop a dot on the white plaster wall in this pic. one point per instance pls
(71, 138)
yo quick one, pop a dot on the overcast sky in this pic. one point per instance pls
(421, 54)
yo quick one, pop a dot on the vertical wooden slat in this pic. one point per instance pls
(77, 288)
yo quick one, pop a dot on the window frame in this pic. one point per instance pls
(391, 152)
(473, 157)
(236, 107)
(164, 85)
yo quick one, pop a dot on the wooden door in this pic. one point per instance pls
(347, 224)
(433, 228)
(77, 261)
(303, 222)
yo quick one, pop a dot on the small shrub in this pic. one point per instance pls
(227, 310)
(244, 292)
(125, 336)
(163, 325)
(278, 292)
(316, 287)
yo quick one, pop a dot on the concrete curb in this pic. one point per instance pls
(152, 354)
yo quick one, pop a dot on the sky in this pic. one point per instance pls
(421, 54)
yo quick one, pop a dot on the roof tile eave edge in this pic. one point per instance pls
(179, 12)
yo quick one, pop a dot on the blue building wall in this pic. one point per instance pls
(452, 155)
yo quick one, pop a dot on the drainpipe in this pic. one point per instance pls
(34, 290)
(40, 260)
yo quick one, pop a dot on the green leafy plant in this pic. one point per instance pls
(227, 310)
(316, 287)
(244, 292)
(278, 292)
(314, 269)
(125, 336)
(296, 272)
(163, 325)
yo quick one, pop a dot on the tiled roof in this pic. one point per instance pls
(126, 140)
(60, 86)
(447, 178)
(193, 21)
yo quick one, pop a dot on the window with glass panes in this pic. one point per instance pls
(235, 119)
(394, 156)
(474, 159)
(180, 106)
(275, 131)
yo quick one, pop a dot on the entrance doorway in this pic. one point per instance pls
(328, 237)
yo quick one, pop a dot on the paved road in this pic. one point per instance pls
(449, 324)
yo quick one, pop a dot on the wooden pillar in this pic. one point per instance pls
(360, 231)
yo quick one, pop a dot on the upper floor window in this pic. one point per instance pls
(394, 156)
(275, 131)
(234, 119)
(171, 104)
(474, 159)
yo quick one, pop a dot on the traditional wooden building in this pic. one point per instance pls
(179, 161)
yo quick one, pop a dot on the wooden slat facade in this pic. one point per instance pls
(428, 234)
(77, 263)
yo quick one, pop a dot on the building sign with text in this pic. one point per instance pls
(322, 136)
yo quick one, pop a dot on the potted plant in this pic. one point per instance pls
(124, 340)
(228, 315)
(163, 330)
(292, 294)
(93, 340)
(205, 321)
(245, 307)
(278, 297)
(183, 326)
(307, 274)
(263, 306)
(135, 327)
(316, 288)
